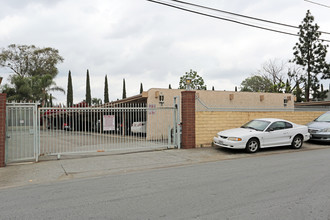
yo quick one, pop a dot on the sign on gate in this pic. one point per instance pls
(108, 122)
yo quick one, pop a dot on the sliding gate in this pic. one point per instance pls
(102, 129)
(32, 133)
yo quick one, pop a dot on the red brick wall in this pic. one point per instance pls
(188, 119)
(2, 128)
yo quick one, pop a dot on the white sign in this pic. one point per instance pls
(108, 122)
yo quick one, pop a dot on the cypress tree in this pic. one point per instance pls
(298, 93)
(287, 86)
(212, 88)
(124, 89)
(106, 90)
(69, 95)
(141, 88)
(51, 100)
(169, 86)
(88, 90)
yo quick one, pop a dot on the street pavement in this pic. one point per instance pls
(92, 165)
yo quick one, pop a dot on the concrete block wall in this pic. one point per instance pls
(208, 124)
(2, 128)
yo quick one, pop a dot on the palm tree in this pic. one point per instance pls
(96, 101)
(42, 85)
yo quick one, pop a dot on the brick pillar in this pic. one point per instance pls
(188, 119)
(2, 128)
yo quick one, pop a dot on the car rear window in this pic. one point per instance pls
(288, 125)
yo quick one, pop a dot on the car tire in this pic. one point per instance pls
(297, 142)
(252, 145)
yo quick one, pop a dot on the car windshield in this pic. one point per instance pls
(324, 118)
(258, 125)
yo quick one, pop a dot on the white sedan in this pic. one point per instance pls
(263, 133)
(139, 127)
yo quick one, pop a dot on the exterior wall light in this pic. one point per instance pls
(188, 83)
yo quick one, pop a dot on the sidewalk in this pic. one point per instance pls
(72, 167)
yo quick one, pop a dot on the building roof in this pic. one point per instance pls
(141, 98)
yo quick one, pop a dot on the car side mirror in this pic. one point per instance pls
(270, 129)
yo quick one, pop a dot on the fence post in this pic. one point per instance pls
(188, 119)
(2, 129)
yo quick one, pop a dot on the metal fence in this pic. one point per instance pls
(202, 107)
(312, 108)
(100, 129)
(21, 132)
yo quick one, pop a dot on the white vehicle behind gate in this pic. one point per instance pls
(263, 133)
(139, 127)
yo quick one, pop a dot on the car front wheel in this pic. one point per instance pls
(297, 142)
(252, 146)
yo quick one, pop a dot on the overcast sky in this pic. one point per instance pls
(152, 44)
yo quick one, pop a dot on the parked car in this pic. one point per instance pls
(66, 127)
(320, 128)
(138, 127)
(263, 133)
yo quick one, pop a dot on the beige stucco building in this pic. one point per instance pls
(159, 116)
(224, 99)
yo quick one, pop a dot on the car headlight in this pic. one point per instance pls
(234, 139)
(325, 130)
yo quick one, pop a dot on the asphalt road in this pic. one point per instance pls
(279, 186)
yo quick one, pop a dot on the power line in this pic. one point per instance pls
(226, 19)
(231, 13)
(221, 18)
(316, 3)
(240, 15)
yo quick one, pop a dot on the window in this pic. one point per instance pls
(324, 118)
(279, 125)
(285, 102)
(258, 125)
(288, 125)
(161, 99)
